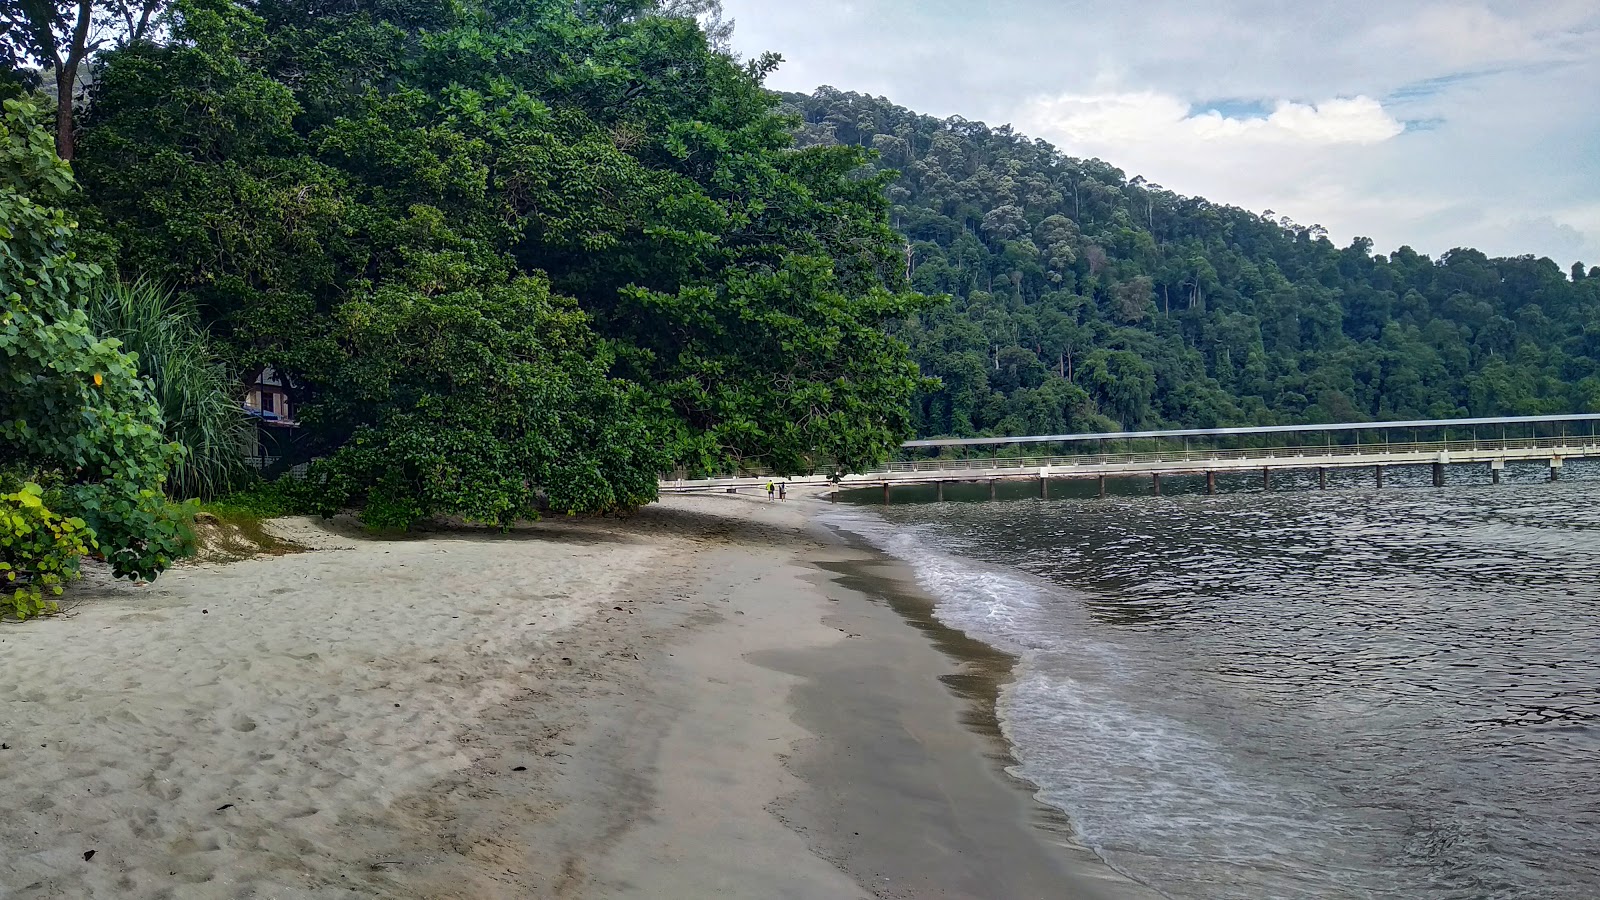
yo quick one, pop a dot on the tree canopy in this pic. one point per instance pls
(506, 254)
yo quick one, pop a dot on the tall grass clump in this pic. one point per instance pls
(192, 386)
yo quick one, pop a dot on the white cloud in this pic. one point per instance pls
(1305, 160)
(1114, 119)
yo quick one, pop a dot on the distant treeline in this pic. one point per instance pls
(1085, 300)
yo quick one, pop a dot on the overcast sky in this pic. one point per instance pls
(1434, 124)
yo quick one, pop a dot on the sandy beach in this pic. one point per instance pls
(714, 697)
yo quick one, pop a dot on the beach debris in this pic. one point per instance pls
(88, 855)
(224, 806)
(519, 768)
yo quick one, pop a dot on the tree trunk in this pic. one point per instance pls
(66, 78)
(67, 81)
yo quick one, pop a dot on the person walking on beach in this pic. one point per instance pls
(770, 489)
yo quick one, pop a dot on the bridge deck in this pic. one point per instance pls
(1179, 462)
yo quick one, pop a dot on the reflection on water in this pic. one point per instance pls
(1299, 693)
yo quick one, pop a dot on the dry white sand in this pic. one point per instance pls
(574, 709)
(274, 727)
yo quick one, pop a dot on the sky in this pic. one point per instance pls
(1430, 124)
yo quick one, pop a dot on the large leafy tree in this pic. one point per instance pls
(613, 205)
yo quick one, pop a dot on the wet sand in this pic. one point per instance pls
(712, 698)
(908, 789)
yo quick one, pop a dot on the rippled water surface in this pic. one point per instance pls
(1299, 693)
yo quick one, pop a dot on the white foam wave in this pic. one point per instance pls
(1000, 607)
(1153, 795)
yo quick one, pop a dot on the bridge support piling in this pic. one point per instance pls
(939, 486)
(886, 493)
(991, 488)
(1211, 482)
(1438, 474)
(1102, 487)
(1379, 471)
(1555, 468)
(1266, 478)
(1322, 477)
(1155, 483)
(1494, 470)
(1044, 488)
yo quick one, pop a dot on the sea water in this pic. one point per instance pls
(1296, 692)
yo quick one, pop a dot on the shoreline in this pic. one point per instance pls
(715, 697)
(975, 828)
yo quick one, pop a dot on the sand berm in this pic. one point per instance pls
(711, 698)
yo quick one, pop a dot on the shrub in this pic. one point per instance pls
(39, 551)
(263, 499)
(71, 402)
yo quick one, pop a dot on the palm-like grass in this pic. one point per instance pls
(193, 388)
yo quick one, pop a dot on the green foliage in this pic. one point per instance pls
(70, 401)
(507, 257)
(1072, 282)
(39, 552)
(485, 402)
(841, 399)
(262, 500)
(199, 404)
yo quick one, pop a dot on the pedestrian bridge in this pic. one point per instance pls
(1439, 443)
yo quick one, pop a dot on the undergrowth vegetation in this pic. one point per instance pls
(39, 552)
(74, 411)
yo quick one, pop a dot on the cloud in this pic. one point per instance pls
(1471, 35)
(1112, 119)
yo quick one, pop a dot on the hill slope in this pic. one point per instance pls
(1084, 299)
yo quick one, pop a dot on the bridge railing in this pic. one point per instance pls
(1266, 455)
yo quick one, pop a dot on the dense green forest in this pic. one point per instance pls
(510, 256)
(1085, 300)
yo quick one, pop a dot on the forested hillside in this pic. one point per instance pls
(1086, 300)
